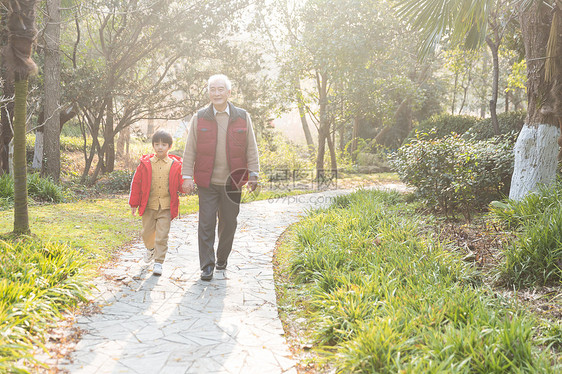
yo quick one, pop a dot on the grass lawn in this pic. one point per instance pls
(46, 274)
(365, 287)
(98, 226)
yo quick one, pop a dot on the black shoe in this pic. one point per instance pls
(221, 266)
(207, 273)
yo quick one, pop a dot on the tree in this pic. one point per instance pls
(467, 20)
(281, 23)
(132, 64)
(22, 32)
(51, 106)
(7, 108)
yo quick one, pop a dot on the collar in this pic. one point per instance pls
(227, 110)
(155, 159)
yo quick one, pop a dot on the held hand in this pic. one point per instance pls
(133, 210)
(187, 186)
(252, 183)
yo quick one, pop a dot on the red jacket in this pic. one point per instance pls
(140, 186)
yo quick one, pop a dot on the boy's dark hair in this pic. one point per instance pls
(163, 136)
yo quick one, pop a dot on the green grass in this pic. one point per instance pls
(97, 226)
(39, 189)
(37, 282)
(41, 278)
(381, 296)
(535, 258)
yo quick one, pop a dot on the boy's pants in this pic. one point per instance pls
(155, 229)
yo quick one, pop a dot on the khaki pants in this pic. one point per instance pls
(155, 230)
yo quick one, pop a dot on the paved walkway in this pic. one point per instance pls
(177, 323)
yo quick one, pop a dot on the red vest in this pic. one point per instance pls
(235, 146)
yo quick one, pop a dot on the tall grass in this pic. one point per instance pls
(40, 189)
(535, 258)
(37, 282)
(385, 298)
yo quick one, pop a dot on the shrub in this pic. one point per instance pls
(535, 257)
(41, 189)
(116, 181)
(455, 174)
(370, 157)
(44, 189)
(441, 125)
(279, 159)
(510, 123)
(6, 186)
(72, 128)
(67, 143)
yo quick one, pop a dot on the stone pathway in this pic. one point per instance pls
(177, 323)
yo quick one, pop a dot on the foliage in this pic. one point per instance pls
(536, 256)
(510, 122)
(278, 154)
(38, 281)
(384, 297)
(44, 189)
(40, 189)
(441, 125)
(67, 143)
(369, 157)
(518, 76)
(337, 59)
(452, 173)
(117, 181)
(461, 63)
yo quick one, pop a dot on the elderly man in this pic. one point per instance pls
(220, 156)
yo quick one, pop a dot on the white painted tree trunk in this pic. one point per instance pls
(536, 159)
(38, 152)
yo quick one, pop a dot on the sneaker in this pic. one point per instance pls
(149, 255)
(221, 266)
(157, 269)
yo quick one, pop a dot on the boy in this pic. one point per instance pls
(154, 192)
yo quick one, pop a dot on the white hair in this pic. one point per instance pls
(220, 77)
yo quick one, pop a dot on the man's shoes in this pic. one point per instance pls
(149, 255)
(207, 273)
(221, 266)
(157, 270)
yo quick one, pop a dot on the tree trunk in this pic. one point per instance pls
(354, 138)
(21, 218)
(51, 151)
(109, 140)
(6, 120)
(38, 152)
(149, 127)
(483, 105)
(453, 104)
(123, 142)
(7, 115)
(494, 46)
(333, 158)
(323, 126)
(536, 148)
(302, 113)
(322, 135)
(536, 158)
(17, 55)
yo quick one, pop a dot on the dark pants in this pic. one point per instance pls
(224, 202)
